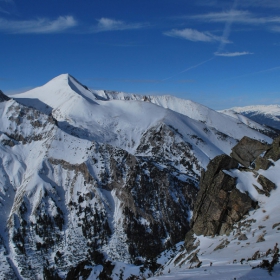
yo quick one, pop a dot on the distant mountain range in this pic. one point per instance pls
(268, 115)
(98, 183)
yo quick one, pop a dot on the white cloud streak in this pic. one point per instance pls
(232, 54)
(4, 11)
(37, 26)
(275, 28)
(8, 4)
(268, 4)
(195, 35)
(107, 24)
(260, 3)
(238, 16)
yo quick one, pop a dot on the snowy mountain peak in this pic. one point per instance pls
(67, 80)
(62, 91)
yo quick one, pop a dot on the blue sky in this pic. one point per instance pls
(219, 53)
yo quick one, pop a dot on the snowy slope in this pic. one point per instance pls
(263, 114)
(189, 108)
(86, 178)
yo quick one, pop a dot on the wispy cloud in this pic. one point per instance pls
(260, 3)
(232, 54)
(195, 35)
(37, 26)
(107, 24)
(244, 3)
(238, 16)
(275, 28)
(8, 7)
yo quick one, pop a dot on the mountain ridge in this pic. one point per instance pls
(263, 114)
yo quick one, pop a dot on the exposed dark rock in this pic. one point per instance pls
(190, 241)
(193, 256)
(256, 255)
(260, 191)
(267, 185)
(275, 225)
(240, 203)
(180, 258)
(262, 163)
(247, 150)
(222, 245)
(3, 97)
(194, 259)
(261, 238)
(107, 271)
(79, 272)
(8, 142)
(274, 150)
(82, 168)
(243, 237)
(219, 204)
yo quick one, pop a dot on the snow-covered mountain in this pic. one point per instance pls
(188, 108)
(268, 115)
(101, 183)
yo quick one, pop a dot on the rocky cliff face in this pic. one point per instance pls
(219, 204)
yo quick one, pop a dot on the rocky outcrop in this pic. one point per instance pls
(274, 150)
(266, 184)
(3, 97)
(219, 203)
(247, 150)
(262, 163)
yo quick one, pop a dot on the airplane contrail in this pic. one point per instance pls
(191, 67)
(226, 33)
(255, 73)
(227, 28)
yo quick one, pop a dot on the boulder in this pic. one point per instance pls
(262, 163)
(247, 150)
(242, 237)
(274, 150)
(267, 185)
